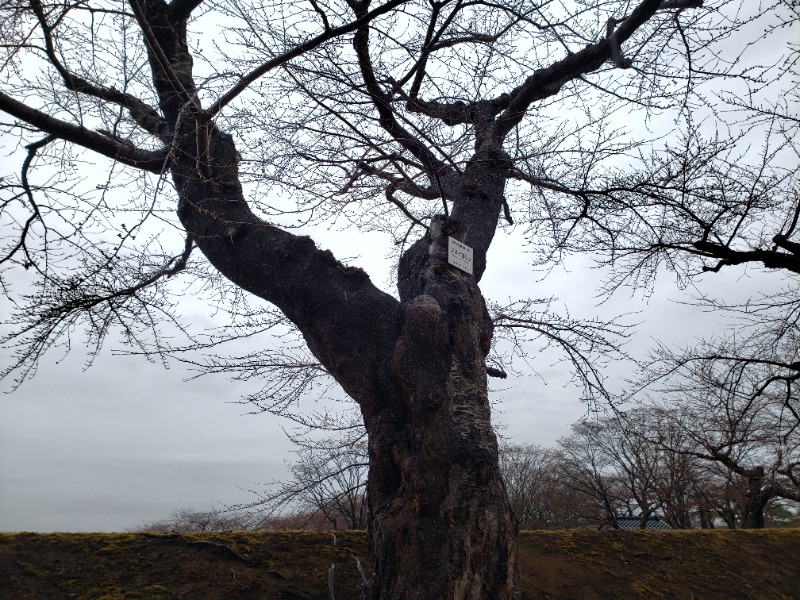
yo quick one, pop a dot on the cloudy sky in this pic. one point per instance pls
(125, 441)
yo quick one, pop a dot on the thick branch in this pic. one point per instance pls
(727, 256)
(158, 57)
(782, 242)
(548, 81)
(348, 323)
(680, 4)
(180, 10)
(148, 160)
(456, 113)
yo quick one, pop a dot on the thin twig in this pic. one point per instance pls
(360, 570)
(331, 571)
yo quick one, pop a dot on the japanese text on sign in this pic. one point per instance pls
(459, 255)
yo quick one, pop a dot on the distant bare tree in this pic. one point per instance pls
(590, 471)
(187, 520)
(746, 434)
(327, 484)
(681, 481)
(538, 494)
(623, 464)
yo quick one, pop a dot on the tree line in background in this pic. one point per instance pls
(715, 464)
(657, 462)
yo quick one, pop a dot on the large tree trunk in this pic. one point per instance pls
(756, 499)
(440, 523)
(441, 526)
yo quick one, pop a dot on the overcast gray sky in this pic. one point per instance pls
(126, 441)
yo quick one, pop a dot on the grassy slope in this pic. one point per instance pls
(294, 565)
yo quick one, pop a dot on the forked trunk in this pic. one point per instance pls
(440, 523)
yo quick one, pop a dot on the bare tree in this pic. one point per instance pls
(746, 434)
(682, 484)
(187, 520)
(429, 121)
(695, 457)
(328, 481)
(638, 463)
(589, 471)
(539, 495)
(616, 466)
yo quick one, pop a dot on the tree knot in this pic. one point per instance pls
(421, 356)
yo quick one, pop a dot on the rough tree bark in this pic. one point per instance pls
(756, 498)
(440, 525)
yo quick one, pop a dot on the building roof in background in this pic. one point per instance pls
(633, 523)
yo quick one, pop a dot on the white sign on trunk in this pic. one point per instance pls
(459, 255)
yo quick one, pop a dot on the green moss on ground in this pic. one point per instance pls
(293, 565)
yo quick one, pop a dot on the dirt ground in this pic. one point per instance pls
(580, 565)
